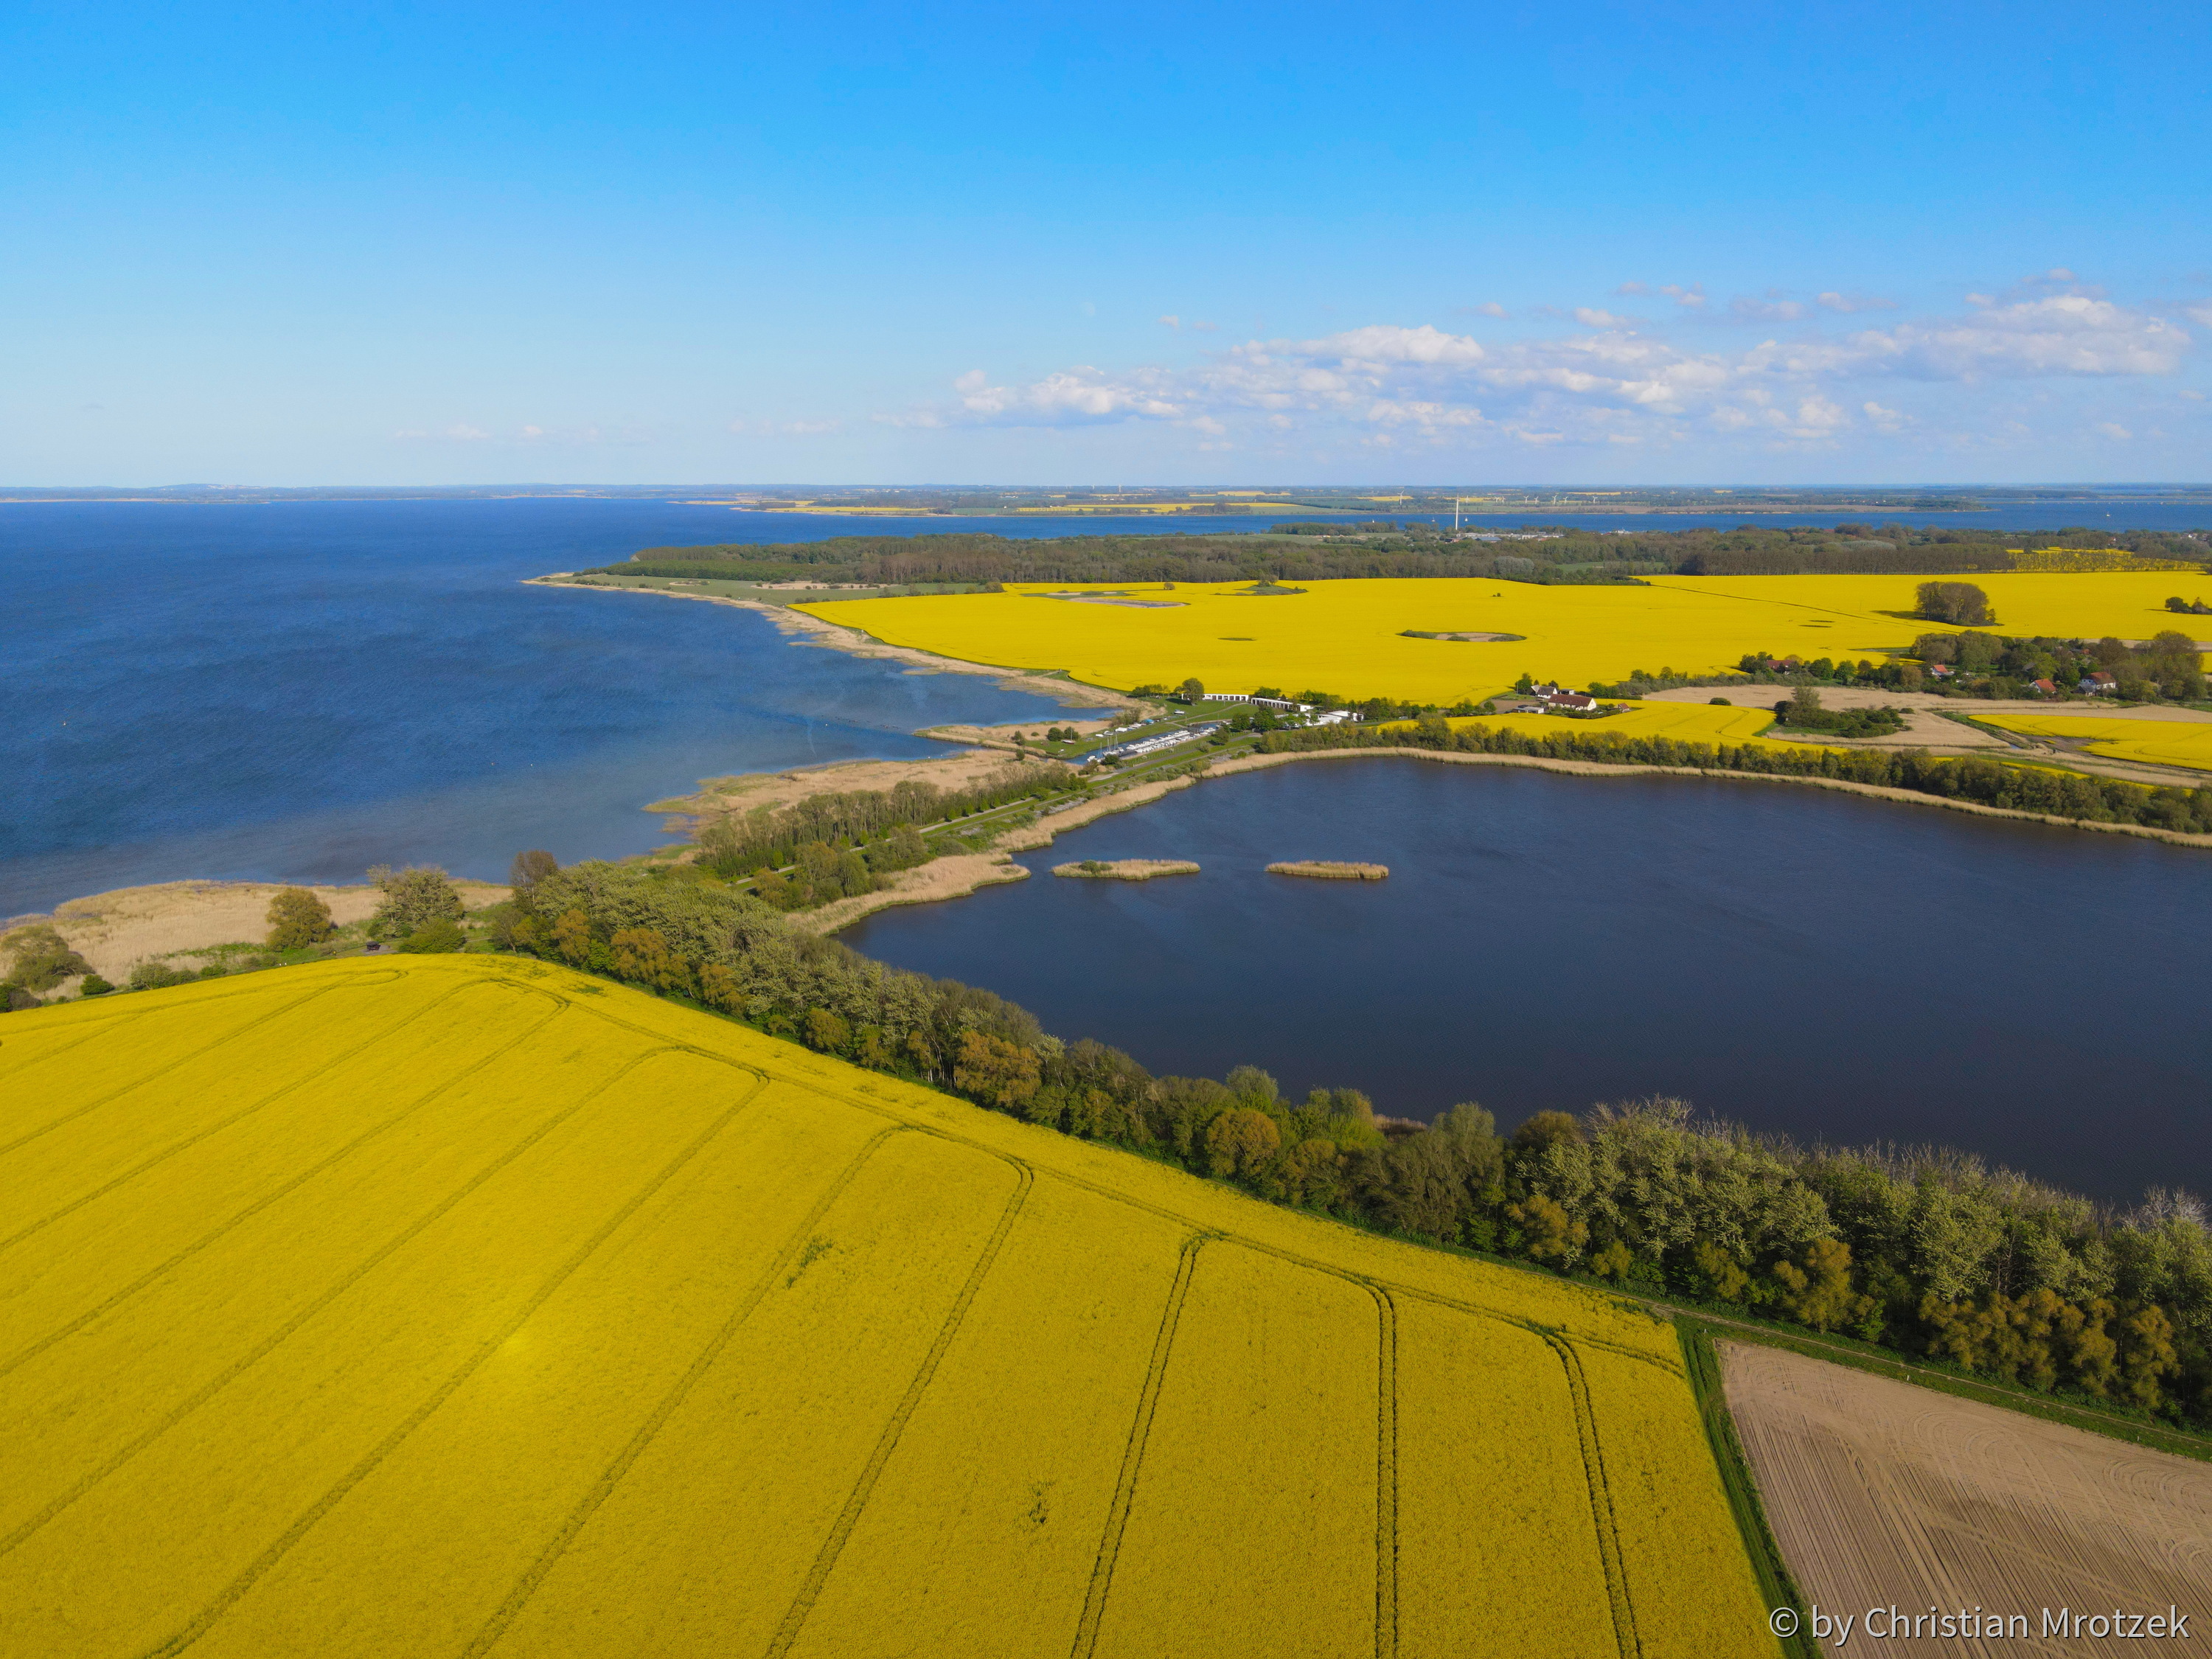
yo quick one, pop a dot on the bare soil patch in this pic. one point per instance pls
(1882, 1494)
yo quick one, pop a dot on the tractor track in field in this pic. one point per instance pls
(241, 1585)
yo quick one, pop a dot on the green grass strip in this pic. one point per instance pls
(1702, 1361)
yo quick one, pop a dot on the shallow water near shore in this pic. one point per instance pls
(1801, 961)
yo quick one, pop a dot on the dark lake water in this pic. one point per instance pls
(1802, 961)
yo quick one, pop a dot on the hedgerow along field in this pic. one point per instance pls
(469, 1305)
(1352, 637)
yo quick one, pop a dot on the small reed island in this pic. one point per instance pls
(1329, 870)
(1125, 869)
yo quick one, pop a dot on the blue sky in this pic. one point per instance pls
(1650, 243)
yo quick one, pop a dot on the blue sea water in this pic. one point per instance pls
(300, 690)
(296, 690)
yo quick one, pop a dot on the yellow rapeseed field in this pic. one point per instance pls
(1351, 637)
(466, 1305)
(2161, 742)
(1685, 723)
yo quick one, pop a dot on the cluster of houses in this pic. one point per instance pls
(2097, 684)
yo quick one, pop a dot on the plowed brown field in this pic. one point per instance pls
(1883, 1494)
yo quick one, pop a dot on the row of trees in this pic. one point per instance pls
(881, 826)
(2167, 666)
(1988, 783)
(1342, 550)
(1930, 1252)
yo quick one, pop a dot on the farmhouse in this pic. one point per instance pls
(1558, 698)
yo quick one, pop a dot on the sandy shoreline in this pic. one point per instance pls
(1072, 693)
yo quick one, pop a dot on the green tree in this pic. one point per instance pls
(1613, 1262)
(529, 869)
(1544, 1130)
(1239, 1140)
(436, 937)
(1192, 689)
(572, 937)
(1819, 1293)
(1548, 1233)
(298, 918)
(1960, 604)
(994, 1071)
(826, 1032)
(1715, 1275)
(413, 898)
(40, 958)
(642, 957)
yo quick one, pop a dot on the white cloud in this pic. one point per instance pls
(1487, 308)
(1632, 288)
(2199, 314)
(2113, 430)
(1690, 298)
(1598, 379)
(1771, 309)
(1171, 321)
(2060, 334)
(1847, 303)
